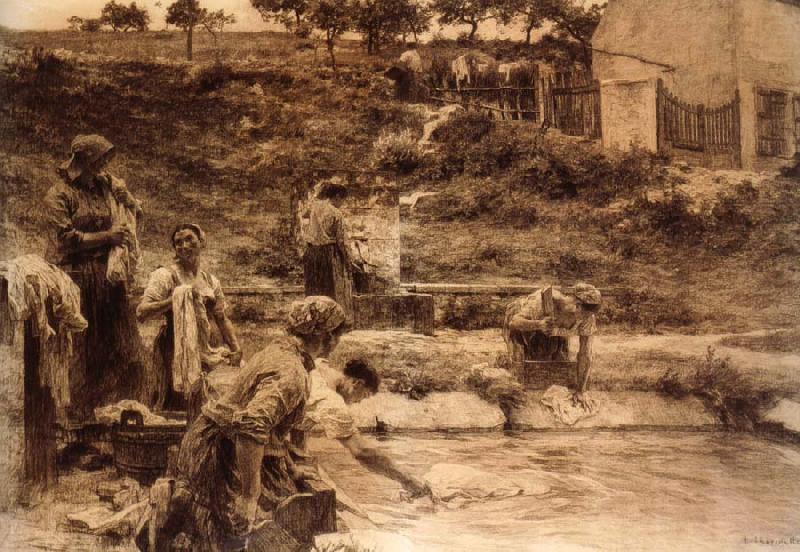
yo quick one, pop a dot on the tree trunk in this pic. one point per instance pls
(330, 53)
(528, 32)
(474, 30)
(189, 43)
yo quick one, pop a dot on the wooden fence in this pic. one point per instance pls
(695, 127)
(569, 101)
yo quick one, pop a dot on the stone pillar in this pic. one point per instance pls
(12, 409)
(629, 114)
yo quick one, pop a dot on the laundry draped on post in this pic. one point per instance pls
(192, 339)
(33, 284)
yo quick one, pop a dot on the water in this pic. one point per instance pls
(608, 491)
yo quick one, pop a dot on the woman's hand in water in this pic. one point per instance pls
(235, 358)
(416, 488)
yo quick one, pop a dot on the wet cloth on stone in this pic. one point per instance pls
(456, 485)
(192, 339)
(123, 260)
(559, 400)
(33, 285)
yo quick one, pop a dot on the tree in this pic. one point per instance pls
(380, 21)
(91, 25)
(531, 12)
(214, 22)
(465, 12)
(75, 23)
(333, 18)
(122, 17)
(574, 22)
(186, 15)
(417, 19)
(289, 13)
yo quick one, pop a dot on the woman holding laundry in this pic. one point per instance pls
(194, 310)
(91, 215)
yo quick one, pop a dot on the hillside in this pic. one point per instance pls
(225, 144)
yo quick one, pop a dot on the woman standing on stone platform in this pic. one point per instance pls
(109, 361)
(327, 266)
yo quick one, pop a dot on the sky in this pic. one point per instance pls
(53, 14)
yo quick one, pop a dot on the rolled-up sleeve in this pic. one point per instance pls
(59, 208)
(159, 286)
(220, 305)
(274, 399)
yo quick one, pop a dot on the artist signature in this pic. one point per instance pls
(782, 541)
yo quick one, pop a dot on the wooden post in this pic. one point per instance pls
(661, 119)
(736, 130)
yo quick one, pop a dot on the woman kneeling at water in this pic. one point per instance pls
(233, 462)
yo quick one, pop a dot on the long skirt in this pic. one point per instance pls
(538, 346)
(109, 360)
(326, 273)
(208, 485)
(163, 395)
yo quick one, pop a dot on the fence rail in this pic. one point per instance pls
(694, 127)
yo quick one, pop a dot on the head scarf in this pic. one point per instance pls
(587, 294)
(315, 315)
(189, 226)
(86, 148)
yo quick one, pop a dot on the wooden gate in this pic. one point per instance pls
(694, 127)
(576, 110)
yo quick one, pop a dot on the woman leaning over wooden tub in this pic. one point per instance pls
(82, 212)
(189, 299)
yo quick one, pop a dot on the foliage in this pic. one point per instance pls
(397, 151)
(380, 21)
(278, 258)
(333, 18)
(464, 127)
(648, 308)
(214, 22)
(122, 17)
(185, 14)
(75, 23)
(778, 341)
(574, 21)
(531, 13)
(290, 13)
(466, 12)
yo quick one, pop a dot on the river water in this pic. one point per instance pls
(645, 490)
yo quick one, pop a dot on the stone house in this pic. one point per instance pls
(716, 82)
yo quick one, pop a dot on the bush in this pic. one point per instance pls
(214, 77)
(397, 151)
(279, 258)
(464, 127)
(647, 308)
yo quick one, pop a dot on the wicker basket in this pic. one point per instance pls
(141, 451)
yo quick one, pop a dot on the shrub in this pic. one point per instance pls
(279, 258)
(647, 308)
(214, 77)
(464, 127)
(397, 151)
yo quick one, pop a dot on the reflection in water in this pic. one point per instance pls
(608, 491)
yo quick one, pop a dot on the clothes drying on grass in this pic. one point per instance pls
(456, 485)
(559, 400)
(192, 339)
(33, 286)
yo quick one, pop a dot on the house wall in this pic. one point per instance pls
(695, 39)
(768, 56)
